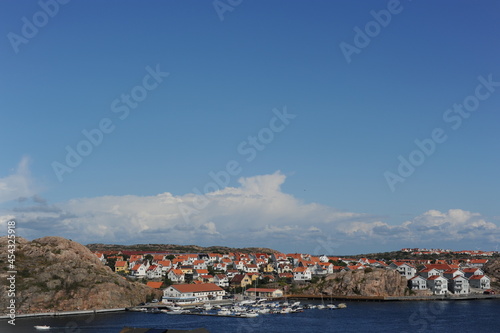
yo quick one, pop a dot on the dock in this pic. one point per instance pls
(394, 298)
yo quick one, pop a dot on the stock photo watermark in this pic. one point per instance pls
(248, 148)
(453, 117)
(223, 6)
(11, 271)
(95, 136)
(31, 27)
(363, 37)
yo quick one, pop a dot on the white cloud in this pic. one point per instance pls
(257, 213)
(19, 184)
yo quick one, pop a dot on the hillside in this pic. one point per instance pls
(374, 282)
(56, 274)
(492, 269)
(172, 248)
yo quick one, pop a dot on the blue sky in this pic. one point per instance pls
(318, 184)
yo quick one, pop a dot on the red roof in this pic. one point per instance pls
(476, 277)
(196, 288)
(434, 277)
(155, 285)
(262, 290)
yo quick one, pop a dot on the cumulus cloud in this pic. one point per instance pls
(256, 213)
(19, 184)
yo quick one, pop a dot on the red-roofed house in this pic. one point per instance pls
(192, 293)
(437, 284)
(405, 269)
(479, 281)
(175, 275)
(221, 280)
(264, 292)
(302, 274)
(121, 266)
(154, 272)
(459, 285)
(417, 283)
(472, 271)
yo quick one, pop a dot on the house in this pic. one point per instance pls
(459, 285)
(175, 275)
(199, 272)
(268, 268)
(479, 263)
(139, 270)
(231, 273)
(428, 272)
(437, 284)
(323, 258)
(207, 278)
(264, 292)
(221, 280)
(241, 280)
(472, 271)
(121, 266)
(199, 264)
(479, 281)
(165, 265)
(417, 283)
(451, 273)
(154, 272)
(250, 268)
(405, 269)
(220, 266)
(302, 274)
(101, 257)
(192, 293)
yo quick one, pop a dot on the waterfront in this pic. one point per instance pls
(432, 316)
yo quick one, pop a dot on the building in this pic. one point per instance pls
(479, 281)
(405, 269)
(417, 283)
(459, 285)
(264, 292)
(437, 284)
(192, 293)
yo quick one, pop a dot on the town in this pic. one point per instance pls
(188, 278)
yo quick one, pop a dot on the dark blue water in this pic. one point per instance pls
(438, 316)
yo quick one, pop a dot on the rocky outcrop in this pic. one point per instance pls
(492, 270)
(57, 274)
(376, 282)
(172, 248)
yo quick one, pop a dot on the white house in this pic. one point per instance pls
(417, 283)
(175, 275)
(154, 272)
(472, 271)
(139, 270)
(192, 293)
(251, 268)
(459, 285)
(479, 281)
(221, 280)
(428, 272)
(437, 284)
(302, 274)
(450, 274)
(407, 270)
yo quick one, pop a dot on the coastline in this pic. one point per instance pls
(296, 297)
(394, 298)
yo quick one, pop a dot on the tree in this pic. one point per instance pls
(170, 257)
(148, 257)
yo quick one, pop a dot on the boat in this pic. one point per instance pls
(224, 312)
(176, 312)
(331, 306)
(42, 327)
(342, 306)
(320, 307)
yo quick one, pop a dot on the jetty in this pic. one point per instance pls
(395, 298)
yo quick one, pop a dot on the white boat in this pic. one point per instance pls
(286, 310)
(224, 312)
(42, 327)
(296, 304)
(320, 307)
(176, 312)
(342, 306)
(331, 306)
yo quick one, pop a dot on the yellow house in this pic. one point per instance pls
(187, 269)
(268, 268)
(121, 266)
(241, 280)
